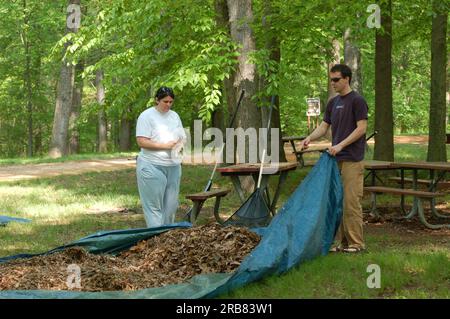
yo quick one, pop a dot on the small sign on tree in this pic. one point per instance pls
(313, 110)
(313, 106)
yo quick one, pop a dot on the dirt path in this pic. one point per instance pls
(29, 171)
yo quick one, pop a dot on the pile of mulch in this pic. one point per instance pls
(170, 258)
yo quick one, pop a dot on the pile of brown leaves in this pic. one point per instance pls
(170, 258)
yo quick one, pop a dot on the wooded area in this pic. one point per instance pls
(75, 74)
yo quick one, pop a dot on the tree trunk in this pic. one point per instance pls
(240, 15)
(437, 126)
(74, 140)
(64, 96)
(217, 118)
(125, 133)
(384, 140)
(240, 18)
(352, 58)
(229, 95)
(37, 107)
(27, 81)
(102, 125)
(273, 46)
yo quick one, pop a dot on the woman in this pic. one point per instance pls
(160, 135)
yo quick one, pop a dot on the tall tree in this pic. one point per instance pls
(74, 140)
(335, 59)
(222, 21)
(384, 140)
(437, 126)
(125, 132)
(273, 46)
(352, 58)
(240, 19)
(64, 93)
(27, 76)
(102, 125)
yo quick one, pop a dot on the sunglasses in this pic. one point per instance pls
(335, 80)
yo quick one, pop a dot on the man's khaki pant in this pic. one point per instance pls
(350, 232)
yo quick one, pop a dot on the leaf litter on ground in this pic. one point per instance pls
(169, 258)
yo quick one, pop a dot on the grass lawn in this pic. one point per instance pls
(414, 262)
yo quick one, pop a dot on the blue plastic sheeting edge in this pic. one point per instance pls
(6, 219)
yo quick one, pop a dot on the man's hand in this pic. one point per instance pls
(304, 144)
(333, 150)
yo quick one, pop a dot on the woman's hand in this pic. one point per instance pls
(170, 145)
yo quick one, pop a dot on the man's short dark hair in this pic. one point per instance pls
(344, 69)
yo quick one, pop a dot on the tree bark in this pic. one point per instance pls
(74, 140)
(437, 121)
(384, 140)
(58, 146)
(352, 58)
(125, 133)
(102, 125)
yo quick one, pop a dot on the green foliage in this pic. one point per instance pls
(141, 45)
(41, 32)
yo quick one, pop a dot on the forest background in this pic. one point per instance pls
(75, 74)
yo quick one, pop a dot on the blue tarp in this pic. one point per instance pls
(303, 229)
(6, 219)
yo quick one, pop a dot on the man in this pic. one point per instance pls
(346, 114)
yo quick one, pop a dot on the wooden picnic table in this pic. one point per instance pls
(281, 169)
(299, 153)
(373, 166)
(437, 171)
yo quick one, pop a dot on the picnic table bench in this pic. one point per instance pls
(418, 197)
(199, 199)
(424, 182)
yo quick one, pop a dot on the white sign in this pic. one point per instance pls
(313, 107)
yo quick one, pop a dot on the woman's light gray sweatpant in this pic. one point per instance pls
(159, 187)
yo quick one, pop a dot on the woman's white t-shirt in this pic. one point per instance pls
(161, 128)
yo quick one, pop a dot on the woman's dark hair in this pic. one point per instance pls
(344, 69)
(164, 91)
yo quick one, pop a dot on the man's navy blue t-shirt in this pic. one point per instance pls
(342, 113)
